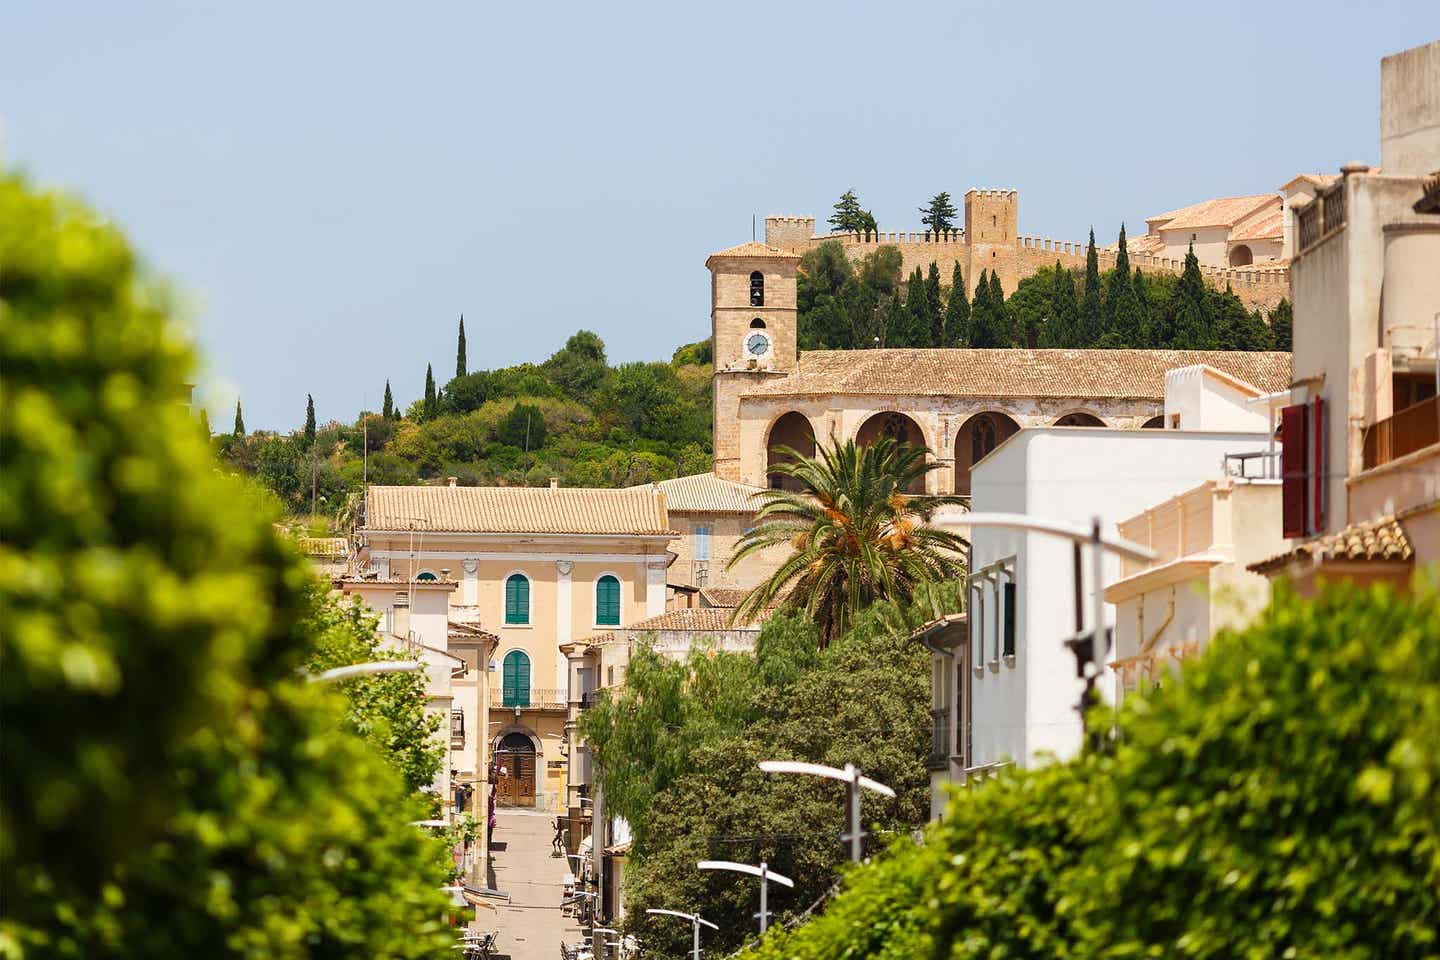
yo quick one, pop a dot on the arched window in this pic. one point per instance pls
(1241, 256)
(425, 575)
(515, 680)
(517, 599)
(757, 324)
(757, 289)
(982, 439)
(607, 602)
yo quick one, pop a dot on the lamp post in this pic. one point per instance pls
(366, 670)
(763, 872)
(854, 784)
(696, 921)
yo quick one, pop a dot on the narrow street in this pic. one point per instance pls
(530, 926)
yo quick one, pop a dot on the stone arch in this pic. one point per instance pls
(1156, 422)
(902, 428)
(975, 439)
(791, 430)
(1241, 256)
(1079, 418)
(517, 755)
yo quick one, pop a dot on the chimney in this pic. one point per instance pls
(554, 483)
(450, 481)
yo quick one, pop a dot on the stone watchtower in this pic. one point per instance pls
(752, 330)
(991, 230)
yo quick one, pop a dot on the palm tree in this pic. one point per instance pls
(856, 535)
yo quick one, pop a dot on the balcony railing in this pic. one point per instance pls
(1321, 217)
(939, 737)
(1253, 465)
(457, 729)
(536, 698)
(1414, 428)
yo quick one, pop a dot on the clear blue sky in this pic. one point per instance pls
(333, 184)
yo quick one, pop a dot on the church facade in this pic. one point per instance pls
(958, 403)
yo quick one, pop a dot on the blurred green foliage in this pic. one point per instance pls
(1279, 800)
(170, 786)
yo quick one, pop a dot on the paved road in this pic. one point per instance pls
(530, 926)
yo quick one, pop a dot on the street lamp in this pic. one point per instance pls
(763, 872)
(366, 670)
(854, 784)
(696, 921)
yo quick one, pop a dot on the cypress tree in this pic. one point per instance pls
(897, 323)
(982, 319)
(1193, 327)
(1001, 322)
(1282, 322)
(387, 410)
(309, 418)
(1122, 308)
(934, 308)
(1091, 325)
(430, 405)
(1064, 311)
(914, 330)
(460, 349)
(1142, 297)
(957, 312)
(239, 421)
(204, 423)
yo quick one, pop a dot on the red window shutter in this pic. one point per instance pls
(1293, 463)
(1317, 471)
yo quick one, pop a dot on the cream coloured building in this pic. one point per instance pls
(535, 567)
(709, 515)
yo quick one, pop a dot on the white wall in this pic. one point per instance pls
(1205, 401)
(1023, 711)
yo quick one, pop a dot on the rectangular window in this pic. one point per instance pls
(517, 599)
(702, 543)
(1009, 622)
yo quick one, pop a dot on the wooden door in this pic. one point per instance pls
(515, 781)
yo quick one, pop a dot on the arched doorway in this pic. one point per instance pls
(1079, 419)
(974, 441)
(1241, 256)
(898, 427)
(1156, 422)
(792, 430)
(515, 771)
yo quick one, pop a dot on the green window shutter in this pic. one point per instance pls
(517, 599)
(607, 602)
(515, 691)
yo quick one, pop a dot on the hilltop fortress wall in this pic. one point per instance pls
(990, 241)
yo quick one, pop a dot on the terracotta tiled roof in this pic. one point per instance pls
(1268, 224)
(450, 584)
(1376, 540)
(696, 619)
(516, 510)
(724, 597)
(754, 250)
(1220, 212)
(1091, 374)
(472, 630)
(706, 493)
(1151, 243)
(323, 546)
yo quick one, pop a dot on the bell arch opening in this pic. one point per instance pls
(792, 430)
(974, 441)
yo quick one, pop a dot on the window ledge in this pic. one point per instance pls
(517, 626)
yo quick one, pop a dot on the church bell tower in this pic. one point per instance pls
(753, 336)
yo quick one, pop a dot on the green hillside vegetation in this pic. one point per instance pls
(573, 417)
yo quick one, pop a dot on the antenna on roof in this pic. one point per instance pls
(752, 228)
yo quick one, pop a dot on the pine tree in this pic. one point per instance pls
(1064, 311)
(309, 419)
(849, 217)
(1001, 322)
(1282, 323)
(239, 421)
(430, 406)
(387, 410)
(957, 312)
(460, 349)
(939, 214)
(1122, 308)
(1091, 325)
(934, 308)
(1193, 328)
